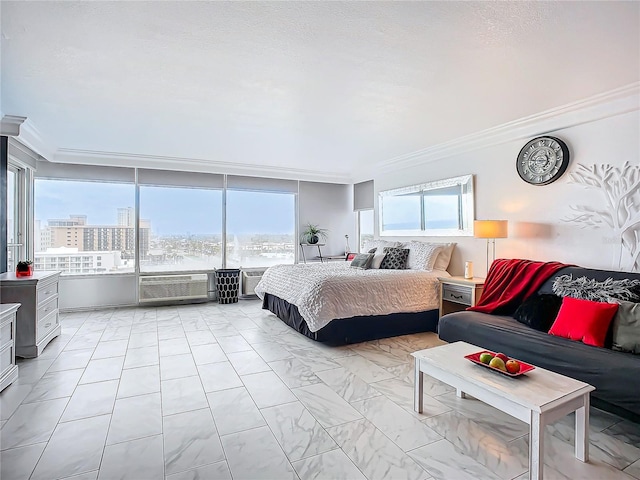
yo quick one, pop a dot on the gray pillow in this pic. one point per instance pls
(610, 291)
(362, 260)
(395, 258)
(626, 328)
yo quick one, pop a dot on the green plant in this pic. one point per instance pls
(311, 231)
(23, 265)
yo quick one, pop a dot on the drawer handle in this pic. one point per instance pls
(457, 297)
(47, 292)
(47, 325)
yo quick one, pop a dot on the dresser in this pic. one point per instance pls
(8, 367)
(37, 320)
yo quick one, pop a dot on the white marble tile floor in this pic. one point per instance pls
(221, 392)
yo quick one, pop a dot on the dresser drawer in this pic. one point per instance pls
(457, 294)
(47, 324)
(45, 292)
(46, 308)
(6, 334)
(6, 359)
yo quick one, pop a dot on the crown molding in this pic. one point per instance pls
(117, 159)
(614, 102)
(10, 125)
(31, 137)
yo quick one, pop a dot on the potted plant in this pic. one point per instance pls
(24, 268)
(312, 234)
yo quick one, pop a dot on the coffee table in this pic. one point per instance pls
(538, 398)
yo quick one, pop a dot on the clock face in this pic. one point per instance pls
(543, 160)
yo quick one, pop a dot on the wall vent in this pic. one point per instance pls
(161, 288)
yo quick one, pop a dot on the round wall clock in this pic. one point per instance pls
(543, 160)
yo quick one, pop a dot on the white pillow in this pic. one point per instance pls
(444, 257)
(377, 259)
(378, 245)
(422, 255)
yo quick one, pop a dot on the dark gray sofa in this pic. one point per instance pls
(614, 374)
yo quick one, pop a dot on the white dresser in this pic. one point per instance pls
(37, 321)
(8, 367)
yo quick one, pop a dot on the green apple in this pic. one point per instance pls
(498, 363)
(486, 357)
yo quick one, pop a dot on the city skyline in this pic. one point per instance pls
(169, 210)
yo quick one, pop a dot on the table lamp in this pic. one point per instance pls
(490, 229)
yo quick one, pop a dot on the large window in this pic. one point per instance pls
(365, 227)
(180, 229)
(260, 228)
(84, 227)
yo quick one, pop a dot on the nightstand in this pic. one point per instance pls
(458, 293)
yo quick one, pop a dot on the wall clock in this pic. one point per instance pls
(543, 160)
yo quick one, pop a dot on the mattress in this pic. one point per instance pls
(323, 292)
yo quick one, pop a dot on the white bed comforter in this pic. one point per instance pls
(326, 291)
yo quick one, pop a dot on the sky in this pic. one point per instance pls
(172, 211)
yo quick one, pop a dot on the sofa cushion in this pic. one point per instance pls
(539, 311)
(626, 328)
(584, 320)
(609, 290)
(607, 370)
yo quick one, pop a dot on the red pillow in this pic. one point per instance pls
(584, 320)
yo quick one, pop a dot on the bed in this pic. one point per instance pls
(338, 304)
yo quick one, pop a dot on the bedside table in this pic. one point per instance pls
(458, 293)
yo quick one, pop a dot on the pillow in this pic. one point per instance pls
(378, 244)
(394, 259)
(584, 320)
(626, 328)
(422, 256)
(590, 289)
(539, 311)
(377, 260)
(444, 256)
(362, 260)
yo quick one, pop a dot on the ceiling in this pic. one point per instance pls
(305, 87)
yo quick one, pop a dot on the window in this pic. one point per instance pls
(365, 227)
(90, 210)
(260, 228)
(14, 244)
(180, 228)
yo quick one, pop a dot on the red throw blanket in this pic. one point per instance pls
(510, 282)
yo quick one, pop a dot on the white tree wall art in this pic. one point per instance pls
(619, 187)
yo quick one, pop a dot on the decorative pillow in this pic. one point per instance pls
(394, 259)
(377, 260)
(422, 256)
(539, 311)
(379, 245)
(362, 260)
(590, 289)
(584, 320)
(444, 256)
(626, 328)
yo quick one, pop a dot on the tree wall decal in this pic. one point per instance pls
(620, 188)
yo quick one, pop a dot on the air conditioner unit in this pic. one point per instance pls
(250, 279)
(161, 288)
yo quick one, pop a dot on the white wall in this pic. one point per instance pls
(330, 206)
(537, 214)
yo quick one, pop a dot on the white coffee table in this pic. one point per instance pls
(539, 397)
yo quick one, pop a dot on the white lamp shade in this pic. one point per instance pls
(490, 228)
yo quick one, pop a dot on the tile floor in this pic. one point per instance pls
(228, 391)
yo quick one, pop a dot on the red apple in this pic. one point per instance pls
(502, 357)
(513, 366)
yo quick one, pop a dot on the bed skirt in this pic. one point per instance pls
(354, 329)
